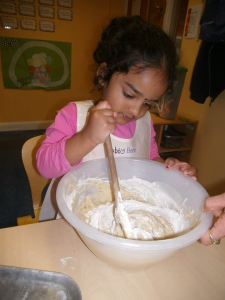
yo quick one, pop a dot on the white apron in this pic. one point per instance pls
(136, 147)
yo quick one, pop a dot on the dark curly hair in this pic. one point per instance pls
(129, 42)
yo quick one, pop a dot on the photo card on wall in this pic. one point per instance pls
(65, 14)
(46, 2)
(7, 7)
(47, 26)
(46, 12)
(65, 3)
(27, 1)
(28, 24)
(27, 10)
(9, 22)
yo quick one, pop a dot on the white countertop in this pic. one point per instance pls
(195, 272)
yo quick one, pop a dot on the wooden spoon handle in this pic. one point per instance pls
(113, 171)
(121, 216)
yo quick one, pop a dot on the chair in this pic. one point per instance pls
(37, 182)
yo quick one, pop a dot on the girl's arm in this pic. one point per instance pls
(154, 153)
(51, 160)
(159, 159)
(100, 123)
(64, 148)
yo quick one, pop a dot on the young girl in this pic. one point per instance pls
(136, 67)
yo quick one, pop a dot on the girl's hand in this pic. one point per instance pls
(100, 123)
(216, 205)
(184, 167)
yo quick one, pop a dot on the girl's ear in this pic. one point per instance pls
(101, 73)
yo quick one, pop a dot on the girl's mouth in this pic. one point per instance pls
(126, 118)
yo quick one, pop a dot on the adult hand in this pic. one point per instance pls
(184, 167)
(216, 205)
(101, 122)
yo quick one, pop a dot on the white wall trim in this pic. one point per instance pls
(168, 16)
(16, 126)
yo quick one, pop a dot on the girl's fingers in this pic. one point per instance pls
(175, 163)
(110, 119)
(102, 105)
(214, 203)
(101, 122)
(190, 172)
(181, 166)
(104, 108)
(187, 169)
(170, 162)
(217, 231)
(112, 128)
(104, 112)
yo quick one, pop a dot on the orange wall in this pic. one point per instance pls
(89, 18)
(208, 151)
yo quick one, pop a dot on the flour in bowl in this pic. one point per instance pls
(154, 209)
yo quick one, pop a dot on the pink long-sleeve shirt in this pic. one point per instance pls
(51, 160)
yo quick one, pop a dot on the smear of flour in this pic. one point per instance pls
(154, 210)
(68, 261)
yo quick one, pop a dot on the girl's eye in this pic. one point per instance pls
(128, 95)
(147, 104)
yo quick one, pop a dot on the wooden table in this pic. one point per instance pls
(195, 272)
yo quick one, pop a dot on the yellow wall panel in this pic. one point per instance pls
(84, 31)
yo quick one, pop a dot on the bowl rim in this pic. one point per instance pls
(132, 245)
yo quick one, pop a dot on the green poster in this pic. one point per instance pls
(35, 64)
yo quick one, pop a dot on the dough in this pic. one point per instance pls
(155, 210)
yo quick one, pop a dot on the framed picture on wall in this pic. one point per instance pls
(192, 21)
(35, 64)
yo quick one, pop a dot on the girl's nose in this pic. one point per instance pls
(135, 109)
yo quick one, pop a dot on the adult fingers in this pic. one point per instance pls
(217, 231)
(217, 212)
(214, 203)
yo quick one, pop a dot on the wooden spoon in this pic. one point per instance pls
(121, 215)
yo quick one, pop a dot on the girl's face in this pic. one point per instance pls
(129, 94)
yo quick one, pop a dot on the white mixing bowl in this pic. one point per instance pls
(134, 254)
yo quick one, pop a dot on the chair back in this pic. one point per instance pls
(37, 182)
